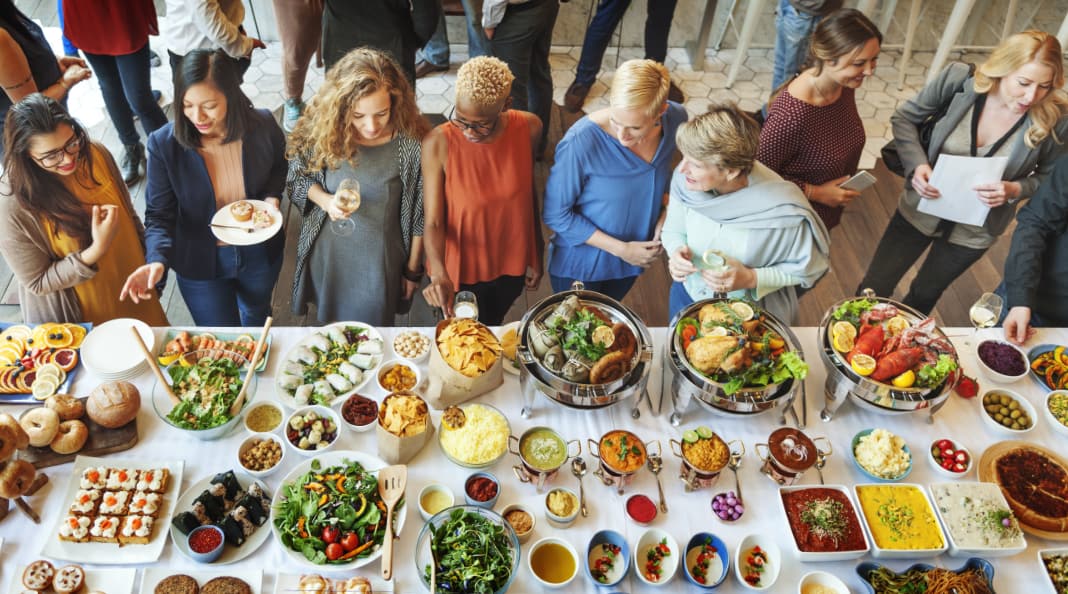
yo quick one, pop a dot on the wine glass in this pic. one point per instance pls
(985, 312)
(347, 200)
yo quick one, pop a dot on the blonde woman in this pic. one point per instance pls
(733, 225)
(362, 124)
(813, 135)
(606, 192)
(1012, 107)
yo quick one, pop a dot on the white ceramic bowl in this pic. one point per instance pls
(414, 357)
(252, 440)
(557, 520)
(957, 447)
(1025, 406)
(522, 536)
(1054, 422)
(669, 565)
(810, 556)
(322, 412)
(945, 495)
(549, 541)
(822, 578)
(388, 365)
(264, 405)
(1001, 378)
(434, 488)
(359, 428)
(771, 566)
(1042, 554)
(870, 473)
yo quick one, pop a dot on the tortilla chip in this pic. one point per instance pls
(403, 415)
(468, 347)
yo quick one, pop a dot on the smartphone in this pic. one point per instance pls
(859, 182)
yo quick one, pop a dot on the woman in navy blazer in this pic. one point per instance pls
(222, 150)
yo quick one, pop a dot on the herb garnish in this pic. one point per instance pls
(577, 335)
(825, 518)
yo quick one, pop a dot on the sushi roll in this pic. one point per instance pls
(257, 490)
(339, 382)
(232, 531)
(351, 372)
(289, 383)
(371, 346)
(363, 361)
(337, 335)
(214, 506)
(185, 522)
(201, 513)
(318, 342)
(253, 509)
(303, 394)
(323, 391)
(229, 480)
(293, 368)
(305, 355)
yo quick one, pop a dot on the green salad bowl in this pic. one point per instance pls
(209, 423)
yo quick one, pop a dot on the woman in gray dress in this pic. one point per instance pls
(362, 124)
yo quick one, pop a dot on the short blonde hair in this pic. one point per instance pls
(641, 85)
(724, 136)
(1011, 54)
(485, 81)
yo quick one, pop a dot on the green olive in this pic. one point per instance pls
(1014, 405)
(1016, 414)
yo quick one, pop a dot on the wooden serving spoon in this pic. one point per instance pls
(240, 401)
(391, 483)
(155, 367)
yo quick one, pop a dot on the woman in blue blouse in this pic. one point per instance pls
(219, 151)
(606, 192)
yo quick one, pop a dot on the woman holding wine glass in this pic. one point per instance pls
(355, 159)
(733, 226)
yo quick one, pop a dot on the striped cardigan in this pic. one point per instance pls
(299, 181)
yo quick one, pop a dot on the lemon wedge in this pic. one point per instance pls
(743, 310)
(168, 358)
(845, 328)
(863, 364)
(905, 380)
(843, 343)
(896, 324)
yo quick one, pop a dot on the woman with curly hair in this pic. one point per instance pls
(362, 124)
(482, 230)
(1014, 106)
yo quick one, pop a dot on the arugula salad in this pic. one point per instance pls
(474, 554)
(206, 389)
(332, 515)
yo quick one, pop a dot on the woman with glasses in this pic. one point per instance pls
(68, 230)
(362, 124)
(482, 232)
(218, 151)
(606, 192)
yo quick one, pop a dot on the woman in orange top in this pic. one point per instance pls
(481, 229)
(67, 227)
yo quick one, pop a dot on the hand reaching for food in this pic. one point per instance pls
(439, 293)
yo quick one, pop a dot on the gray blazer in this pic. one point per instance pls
(1027, 166)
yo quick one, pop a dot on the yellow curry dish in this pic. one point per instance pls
(622, 451)
(900, 517)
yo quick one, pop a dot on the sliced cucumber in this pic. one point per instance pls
(704, 432)
(689, 436)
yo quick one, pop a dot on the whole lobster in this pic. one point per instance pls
(894, 364)
(868, 342)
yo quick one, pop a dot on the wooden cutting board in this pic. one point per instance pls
(101, 441)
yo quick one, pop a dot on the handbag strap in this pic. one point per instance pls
(977, 112)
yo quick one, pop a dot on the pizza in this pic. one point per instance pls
(1036, 487)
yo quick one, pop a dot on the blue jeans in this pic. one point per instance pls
(599, 34)
(126, 85)
(615, 288)
(793, 31)
(678, 300)
(436, 51)
(240, 293)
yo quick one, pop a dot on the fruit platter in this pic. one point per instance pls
(886, 355)
(37, 362)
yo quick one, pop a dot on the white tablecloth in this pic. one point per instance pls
(689, 512)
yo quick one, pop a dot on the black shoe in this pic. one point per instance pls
(153, 59)
(575, 96)
(675, 94)
(132, 160)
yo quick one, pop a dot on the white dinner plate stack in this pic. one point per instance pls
(110, 352)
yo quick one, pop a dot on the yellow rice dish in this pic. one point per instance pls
(481, 439)
(900, 518)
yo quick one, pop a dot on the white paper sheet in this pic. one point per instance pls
(955, 177)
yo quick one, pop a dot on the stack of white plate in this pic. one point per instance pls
(110, 352)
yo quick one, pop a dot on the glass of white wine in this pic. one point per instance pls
(715, 260)
(347, 200)
(985, 312)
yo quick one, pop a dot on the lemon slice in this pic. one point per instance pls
(19, 332)
(717, 331)
(604, 336)
(43, 388)
(845, 328)
(863, 364)
(49, 369)
(704, 432)
(743, 310)
(168, 359)
(896, 324)
(843, 343)
(905, 380)
(689, 436)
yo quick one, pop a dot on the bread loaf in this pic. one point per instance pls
(113, 404)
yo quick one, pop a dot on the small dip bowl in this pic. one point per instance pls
(399, 375)
(255, 462)
(434, 498)
(206, 543)
(995, 354)
(996, 403)
(872, 473)
(707, 562)
(746, 556)
(669, 564)
(1056, 410)
(553, 562)
(607, 558)
(513, 514)
(263, 417)
(562, 495)
(640, 509)
(945, 457)
(301, 424)
(412, 345)
(727, 506)
(482, 489)
(360, 413)
(821, 578)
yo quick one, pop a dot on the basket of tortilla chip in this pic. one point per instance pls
(465, 363)
(404, 427)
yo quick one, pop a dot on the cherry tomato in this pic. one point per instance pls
(350, 541)
(330, 534)
(334, 550)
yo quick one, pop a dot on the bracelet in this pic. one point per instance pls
(412, 275)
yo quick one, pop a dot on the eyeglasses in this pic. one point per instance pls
(54, 158)
(479, 129)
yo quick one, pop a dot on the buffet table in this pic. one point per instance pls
(688, 512)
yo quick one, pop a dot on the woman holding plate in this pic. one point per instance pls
(67, 227)
(219, 151)
(363, 124)
(734, 226)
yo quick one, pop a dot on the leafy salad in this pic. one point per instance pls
(206, 389)
(333, 515)
(474, 554)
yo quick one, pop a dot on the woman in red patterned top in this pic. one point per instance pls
(813, 135)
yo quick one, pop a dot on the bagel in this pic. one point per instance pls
(66, 406)
(16, 477)
(7, 442)
(70, 437)
(22, 440)
(41, 424)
